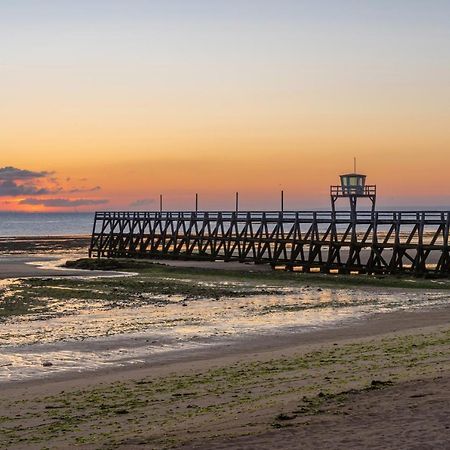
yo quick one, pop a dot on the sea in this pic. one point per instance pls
(16, 224)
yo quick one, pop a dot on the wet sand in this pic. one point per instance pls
(412, 413)
(32, 245)
(219, 265)
(88, 324)
(22, 266)
(28, 265)
(251, 347)
(311, 389)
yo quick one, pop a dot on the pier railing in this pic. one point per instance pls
(361, 191)
(373, 242)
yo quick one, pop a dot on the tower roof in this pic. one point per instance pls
(354, 174)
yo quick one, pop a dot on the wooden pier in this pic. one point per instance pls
(376, 242)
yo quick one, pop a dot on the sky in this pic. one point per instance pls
(108, 104)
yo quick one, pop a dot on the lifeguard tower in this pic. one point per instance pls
(353, 186)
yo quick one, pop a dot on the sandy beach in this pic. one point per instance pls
(21, 266)
(379, 383)
(202, 356)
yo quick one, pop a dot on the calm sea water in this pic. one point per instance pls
(60, 224)
(45, 224)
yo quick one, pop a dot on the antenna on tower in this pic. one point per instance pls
(354, 164)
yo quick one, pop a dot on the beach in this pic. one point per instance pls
(225, 225)
(253, 395)
(195, 357)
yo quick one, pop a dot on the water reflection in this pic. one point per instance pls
(77, 335)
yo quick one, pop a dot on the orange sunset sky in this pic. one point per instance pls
(107, 104)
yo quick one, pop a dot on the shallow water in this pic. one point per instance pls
(77, 335)
(16, 224)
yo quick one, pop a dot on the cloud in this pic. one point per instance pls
(19, 182)
(79, 190)
(62, 202)
(142, 203)
(34, 187)
(10, 188)
(9, 173)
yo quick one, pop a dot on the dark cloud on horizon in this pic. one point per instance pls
(62, 202)
(10, 173)
(10, 188)
(16, 182)
(142, 203)
(79, 190)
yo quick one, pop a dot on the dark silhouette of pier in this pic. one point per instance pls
(374, 242)
(377, 242)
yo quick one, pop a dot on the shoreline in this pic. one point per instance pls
(227, 351)
(27, 245)
(311, 388)
(13, 266)
(94, 353)
(76, 247)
